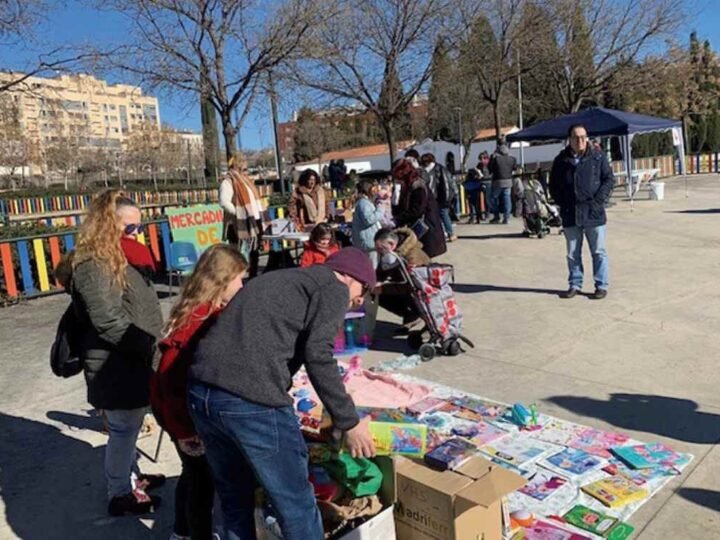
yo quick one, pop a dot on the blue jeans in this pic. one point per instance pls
(247, 444)
(473, 199)
(596, 237)
(120, 453)
(446, 221)
(504, 194)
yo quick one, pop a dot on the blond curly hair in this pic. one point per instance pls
(217, 267)
(100, 234)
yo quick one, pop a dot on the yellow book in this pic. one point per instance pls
(615, 491)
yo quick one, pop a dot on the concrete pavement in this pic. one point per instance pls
(643, 361)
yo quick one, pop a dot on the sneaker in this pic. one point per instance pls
(570, 293)
(148, 482)
(504, 221)
(599, 294)
(495, 220)
(132, 504)
(453, 238)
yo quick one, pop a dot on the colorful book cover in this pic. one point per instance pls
(309, 411)
(541, 486)
(387, 415)
(574, 461)
(643, 456)
(639, 477)
(396, 438)
(486, 433)
(589, 520)
(479, 406)
(558, 431)
(615, 491)
(451, 454)
(544, 530)
(517, 451)
(597, 442)
(621, 531)
(426, 405)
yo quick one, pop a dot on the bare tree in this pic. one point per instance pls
(19, 21)
(62, 155)
(13, 143)
(222, 47)
(597, 39)
(375, 53)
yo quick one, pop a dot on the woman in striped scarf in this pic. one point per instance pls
(243, 212)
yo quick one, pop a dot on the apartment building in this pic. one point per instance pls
(97, 113)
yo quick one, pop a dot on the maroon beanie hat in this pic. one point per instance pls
(353, 262)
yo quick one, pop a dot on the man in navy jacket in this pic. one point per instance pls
(581, 181)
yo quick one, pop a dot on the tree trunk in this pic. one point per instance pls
(228, 133)
(496, 119)
(390, 137)
(210, 136)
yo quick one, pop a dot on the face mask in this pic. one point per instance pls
(389, 260)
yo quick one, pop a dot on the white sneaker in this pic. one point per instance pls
(174, 536)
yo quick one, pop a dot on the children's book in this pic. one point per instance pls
(542, 485)
(451, 454)
(643, 456)
(309, 411)
(387, 415)
(558, 431)
(615, 491)
(574, 461)
(596, 442)
(545, 530)
(589, 520)
(484, 433)
(397, 438)
(639, 477)
(479, 406)
(426, 405)
(517, 451)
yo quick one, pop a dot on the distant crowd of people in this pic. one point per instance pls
(217, 371)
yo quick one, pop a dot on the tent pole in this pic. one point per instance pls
(628, 168)
(683, 167)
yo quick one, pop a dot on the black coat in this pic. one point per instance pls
(415, 203)
(581, 190)
(119, 332)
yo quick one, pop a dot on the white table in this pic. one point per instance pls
(639, 176)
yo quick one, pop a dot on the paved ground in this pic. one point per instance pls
(643, 361)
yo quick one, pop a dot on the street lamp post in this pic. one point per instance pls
(460, 139)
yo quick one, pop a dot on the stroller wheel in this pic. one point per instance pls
(526, 234)
(451, 347)
(541, 235)
(427, 352)
(415, 340)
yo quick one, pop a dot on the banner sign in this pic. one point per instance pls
(201, 225)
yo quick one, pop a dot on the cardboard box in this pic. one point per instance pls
(380, 527)
(465, 504)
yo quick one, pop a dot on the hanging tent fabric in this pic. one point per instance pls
(602, 122)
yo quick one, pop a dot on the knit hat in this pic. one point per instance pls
(354, 263)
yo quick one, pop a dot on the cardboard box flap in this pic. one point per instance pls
(476, 467)
(491, 487)
(445, 482)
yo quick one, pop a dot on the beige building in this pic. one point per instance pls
(81, 107)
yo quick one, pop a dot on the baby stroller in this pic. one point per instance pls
(538, 215)
(435, 302)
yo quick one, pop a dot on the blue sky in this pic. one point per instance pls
(76, 24)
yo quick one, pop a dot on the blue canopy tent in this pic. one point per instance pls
(601, 122)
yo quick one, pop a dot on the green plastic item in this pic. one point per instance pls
(359, 475)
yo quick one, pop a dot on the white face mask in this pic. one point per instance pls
(389, 260)
(429, 167)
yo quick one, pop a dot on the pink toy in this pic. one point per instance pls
(354, 367)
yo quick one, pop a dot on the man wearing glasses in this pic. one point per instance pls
(581, 181)
(239, 380)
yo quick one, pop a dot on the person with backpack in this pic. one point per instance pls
(444, 187)
(120, 320)
(214, 282)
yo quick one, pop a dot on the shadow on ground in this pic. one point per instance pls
(40, 467)
(385, 340)
(467, 288)
(78, 421)
(670, 417)
(491, 236)
(698, 211)
(702, 497)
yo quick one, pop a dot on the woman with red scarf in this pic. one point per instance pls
(121, 320)
(418, 209)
